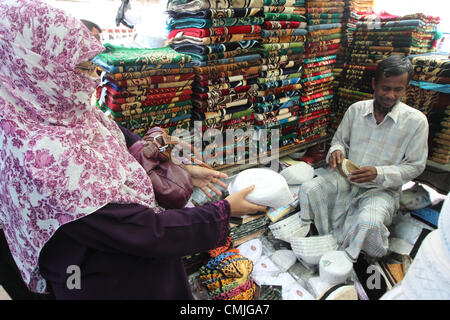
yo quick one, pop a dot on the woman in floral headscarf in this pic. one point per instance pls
(70, 192)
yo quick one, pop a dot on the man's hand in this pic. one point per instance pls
(364, 174)
(336, 158)
(203, 178)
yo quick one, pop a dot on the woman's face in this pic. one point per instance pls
(88, 68)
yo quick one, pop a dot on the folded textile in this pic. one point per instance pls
(274, 78)
(226, 67)
(135, 98)
(121, 93)
(278, 46)
(154, 117)
(223, 85)
(217, 13)
(319, 4)
(148, 73)
(285, 9)
(282, 52)
(273, 91)
(227, 74)
(326, 10)
(281, 71)
(324, 26)
(184, 84)
(145, 103)
(217, 31)
(151, 80)
(284, 25)
(324, 15)
(284, 39)
(269, 66)
(223, 55)
(279, 83)
(182, 38)
(215, 48)
(224, 92)
(323, 32)
(283, 32)
(315, 22)
(143, 67)
(160, 109)
(272, 16)
(287, 3)
(212, 4)
(123, 56)
(208, 23)
(224, 61)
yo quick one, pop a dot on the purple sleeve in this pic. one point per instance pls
(137, 230)
(130, 136)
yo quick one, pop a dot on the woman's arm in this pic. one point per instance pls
(137, 230)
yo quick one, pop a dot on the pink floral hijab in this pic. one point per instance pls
(60, 158)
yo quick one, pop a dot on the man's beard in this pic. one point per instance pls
(380, 108)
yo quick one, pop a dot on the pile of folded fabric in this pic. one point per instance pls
(143, 88)
(323, 42)
(430, 83)
(376, 37)
(247, 227)
(222, 38)
(430, 92)
(283, 36)
(354, 11)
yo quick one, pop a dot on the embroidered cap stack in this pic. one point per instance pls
(222, 39)
(143, 88)
(283, 36)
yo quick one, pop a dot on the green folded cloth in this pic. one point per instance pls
(122, 56)
(272, 16)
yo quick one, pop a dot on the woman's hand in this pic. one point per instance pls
(203, 178)
(239, 206)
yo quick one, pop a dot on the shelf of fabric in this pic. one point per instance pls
(279, 82)
(223, 40)
(254, 162)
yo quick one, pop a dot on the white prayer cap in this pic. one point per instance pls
(298, 173)
(335, 267)
(271, 189)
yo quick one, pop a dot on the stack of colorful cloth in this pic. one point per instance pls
(430, 85)
(430, 92)
(376, 37)
(222, 38)
(354, 11)
(283, 36)
(440, 148)
(143, 88)
(226, 276)
(324, 40)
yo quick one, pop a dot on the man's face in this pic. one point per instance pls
(389, 91)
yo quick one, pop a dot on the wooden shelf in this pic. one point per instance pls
(249, 163)
(439, 166)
